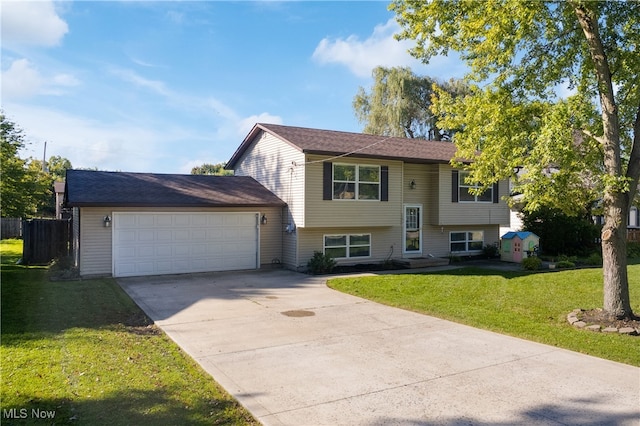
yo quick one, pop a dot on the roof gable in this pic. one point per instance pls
(86, 188)
(331, 142)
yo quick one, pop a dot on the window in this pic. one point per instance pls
(465, 241)
(356, 182)
(347, 246)
(465, 196)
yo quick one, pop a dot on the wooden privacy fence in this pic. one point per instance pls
(633, 235)
(45, 240)
(11, 227)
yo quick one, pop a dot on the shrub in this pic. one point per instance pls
(560, 233)
(633, 249)
(565, 264)
(321, 263)
(491, 251)
(594, 259)
(532, 263)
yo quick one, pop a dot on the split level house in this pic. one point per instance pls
(356, 197)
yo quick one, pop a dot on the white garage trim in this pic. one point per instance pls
(147, 243)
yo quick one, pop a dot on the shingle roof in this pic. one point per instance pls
(520, 234)
(331, 142)
(86, 188)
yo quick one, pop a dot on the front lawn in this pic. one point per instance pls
(84, 353)
(531, 306)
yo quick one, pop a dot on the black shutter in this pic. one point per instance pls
(384, 183)
(454, 186)
(327, 180)
(496, 194)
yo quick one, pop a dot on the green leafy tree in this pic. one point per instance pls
(571, 149)
(26, 186)
(17, 201)
(398, 104)
(211, 169)
(57, 167)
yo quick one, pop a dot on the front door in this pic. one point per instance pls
(413, 229)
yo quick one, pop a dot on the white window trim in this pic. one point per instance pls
(466, 241)
(462, 184)
(356, 182)
(348, 245)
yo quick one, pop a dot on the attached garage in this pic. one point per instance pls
(175, 243)
(135, 224)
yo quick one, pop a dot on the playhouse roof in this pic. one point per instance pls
(521, 234)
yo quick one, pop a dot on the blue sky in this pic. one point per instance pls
(165, 86)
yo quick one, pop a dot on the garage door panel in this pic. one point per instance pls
(146, 252)
(126, 235)
(152, 243)
(164, 235)
(146, 235)
(145, 221)
(163, 251)
(182, 220)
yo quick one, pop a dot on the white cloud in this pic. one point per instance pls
(134, 78)
(23, 80)
(246, 124)
(86, 142)
(382, 49)
(32, 23)
(362, 56)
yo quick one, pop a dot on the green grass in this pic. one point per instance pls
(85, 352)
(531, 306)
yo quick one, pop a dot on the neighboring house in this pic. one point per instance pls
(58, 189)
(367, 198)
(128, 224)
(359, 198)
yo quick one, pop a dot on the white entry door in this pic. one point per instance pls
(175, 243)
(413, 229)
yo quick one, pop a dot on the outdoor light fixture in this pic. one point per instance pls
(107, 221)
(263, 219)
(412, 185)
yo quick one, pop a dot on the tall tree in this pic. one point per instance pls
(211, 169)
(398, 104)
(26, 187)
(15, 197)
(572, 148)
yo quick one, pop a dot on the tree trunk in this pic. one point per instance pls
(616, 204)
(614, 255)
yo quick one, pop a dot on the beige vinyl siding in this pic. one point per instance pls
(290, 250)
(96, 240)
(382, 241)
(461, 213)
(280, 168)
(436, 238)
(350, 213)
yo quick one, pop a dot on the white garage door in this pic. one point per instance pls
(175, 243)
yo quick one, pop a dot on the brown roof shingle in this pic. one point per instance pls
(331, 142)
(86, 188)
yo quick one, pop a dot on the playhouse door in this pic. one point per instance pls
(517, 251)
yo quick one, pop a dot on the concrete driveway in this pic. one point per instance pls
(295, 352)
